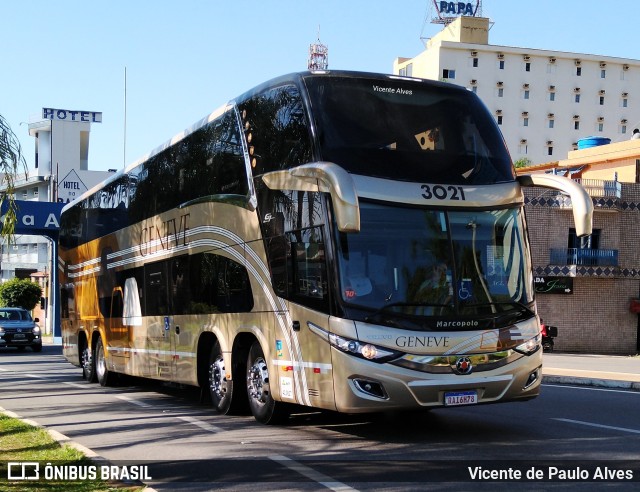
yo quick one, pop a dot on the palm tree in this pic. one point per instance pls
(11, 160)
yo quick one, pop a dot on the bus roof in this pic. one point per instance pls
(295, 78)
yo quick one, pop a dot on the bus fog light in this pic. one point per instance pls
(372, 388)
(533, 377)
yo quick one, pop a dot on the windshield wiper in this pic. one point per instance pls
(388, 309)
(519, 312)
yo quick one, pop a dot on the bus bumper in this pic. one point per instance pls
(365, 386)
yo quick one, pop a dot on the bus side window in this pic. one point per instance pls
(276, 129)
(307, 268)
(157, 303)
(132, 312)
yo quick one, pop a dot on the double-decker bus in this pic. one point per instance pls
(338, 240)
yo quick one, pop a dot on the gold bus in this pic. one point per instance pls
(338, 240)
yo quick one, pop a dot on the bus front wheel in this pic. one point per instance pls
(263, 407)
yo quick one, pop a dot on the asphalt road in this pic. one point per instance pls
(587, 438)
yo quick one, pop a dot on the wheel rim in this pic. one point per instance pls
(86, 360)
(217, 378)
(101, 367)
(258, 381)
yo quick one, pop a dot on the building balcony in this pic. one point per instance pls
(606, 195)
(584, 257)
(598, 188)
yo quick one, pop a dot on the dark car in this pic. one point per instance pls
(18, 329)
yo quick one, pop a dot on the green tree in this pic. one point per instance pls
(20, 293)
(11, 162)
(522, 162)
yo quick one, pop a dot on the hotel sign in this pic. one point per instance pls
(69, 115)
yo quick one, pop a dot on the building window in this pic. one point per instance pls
(625, 102)
(499, 119)
(579, 71)
(577, 98)
(576, 125)
(448, 74)
(623, 129)
(588, 242)
(500, 92)
(475, 62)
(35, 192)
(525, 121)
(552, 123)
(601, 100)
(24, 195)
(552, 96)
(523, 149)
(603, 74)
(600, 127)
(501, 64)
(550, 150)
(526, 93)
(527, 67)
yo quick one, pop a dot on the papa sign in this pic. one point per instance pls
(456, 8)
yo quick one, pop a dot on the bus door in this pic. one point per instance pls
(117, 332)
(160, 334)
(310, 379)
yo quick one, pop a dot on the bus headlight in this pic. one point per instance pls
(366, 351)
(530, 346)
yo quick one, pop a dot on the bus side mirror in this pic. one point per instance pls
(580, 200)
(324, 177)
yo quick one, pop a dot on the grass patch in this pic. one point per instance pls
(22, 442)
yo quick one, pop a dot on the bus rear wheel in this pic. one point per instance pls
(263, 407)
(220, 388)
(102, 372)
(88, 365)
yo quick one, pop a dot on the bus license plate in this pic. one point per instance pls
(460, 398)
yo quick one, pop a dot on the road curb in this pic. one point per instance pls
(593, 382)
(63, 440)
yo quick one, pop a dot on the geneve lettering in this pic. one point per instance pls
(441, 192)
(405, 341)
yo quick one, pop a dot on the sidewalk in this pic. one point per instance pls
(606, 371)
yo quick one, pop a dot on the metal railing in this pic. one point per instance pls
(601, 188)
(586, 257)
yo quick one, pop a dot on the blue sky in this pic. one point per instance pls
(186, 58)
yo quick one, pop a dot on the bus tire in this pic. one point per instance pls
(264, 408)
(102, 373)
(88, 365)
(220, 388)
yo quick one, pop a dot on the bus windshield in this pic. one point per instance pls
(409, 267)
(435, 133)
